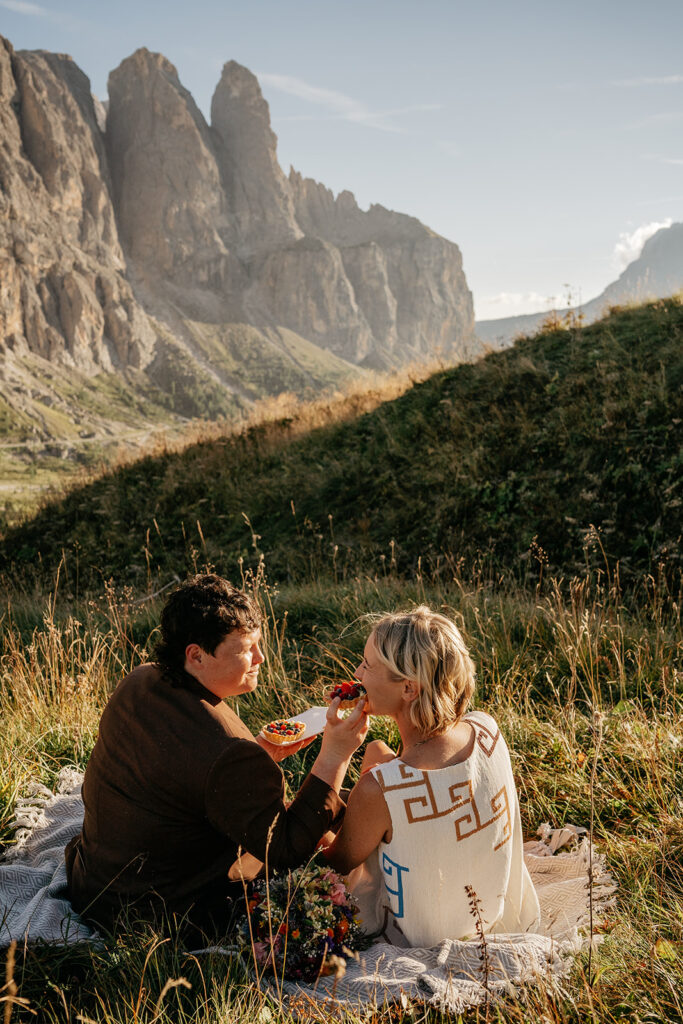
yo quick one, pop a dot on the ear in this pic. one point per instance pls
(193, 655)
(410, 690)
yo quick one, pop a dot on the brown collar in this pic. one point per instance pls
(180, 679)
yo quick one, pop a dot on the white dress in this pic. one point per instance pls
(456, 835)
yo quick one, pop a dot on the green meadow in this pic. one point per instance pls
(535, 496)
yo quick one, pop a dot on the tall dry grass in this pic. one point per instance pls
(587, 689)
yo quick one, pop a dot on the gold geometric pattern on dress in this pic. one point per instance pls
(485, 738)
(423, 806)
(426, 800)
(469, 823)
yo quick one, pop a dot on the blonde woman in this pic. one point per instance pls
(434, 832)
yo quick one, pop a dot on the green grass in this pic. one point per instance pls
(534, 496)
(561, 454)
(60, 402)
(593, 677)
(63, 426)
(46, 402)
(258, 365)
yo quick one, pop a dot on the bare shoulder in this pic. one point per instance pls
(367, 791)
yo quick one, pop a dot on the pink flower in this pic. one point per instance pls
(338, 894)
(261, 951)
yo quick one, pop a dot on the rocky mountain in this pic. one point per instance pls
(656, 274)
(64, 292)
(163, 264)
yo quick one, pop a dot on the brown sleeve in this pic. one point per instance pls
(244, 799)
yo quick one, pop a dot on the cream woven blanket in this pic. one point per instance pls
(452, 976)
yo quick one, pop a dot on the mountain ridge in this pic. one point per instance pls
(117, 241)
(656, 273)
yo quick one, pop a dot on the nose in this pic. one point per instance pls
(257, 655)
(358, 674)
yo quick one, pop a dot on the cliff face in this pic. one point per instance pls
(256, 190)
(64, 295)
(171, 209)
(408, 282)
(116, 242)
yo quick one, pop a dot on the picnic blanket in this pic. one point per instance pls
(451, 976)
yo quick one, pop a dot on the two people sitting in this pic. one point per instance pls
(183, 804)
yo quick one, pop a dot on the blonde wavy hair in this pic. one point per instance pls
(428, 649)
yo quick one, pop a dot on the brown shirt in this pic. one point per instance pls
(174, 786)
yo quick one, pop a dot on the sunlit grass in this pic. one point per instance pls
(556, 665)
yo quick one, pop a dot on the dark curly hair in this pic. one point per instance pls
(203, 610)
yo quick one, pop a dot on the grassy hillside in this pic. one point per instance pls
(506, 464)
(564, 450)
(58, 424)
(233, 365)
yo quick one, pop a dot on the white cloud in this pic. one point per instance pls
(513, 303)
(661, 80)
(630, 244)
(21, 7)
(337, 101)
(675, 161)
(337, 104)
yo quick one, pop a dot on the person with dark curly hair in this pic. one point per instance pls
(182, 803)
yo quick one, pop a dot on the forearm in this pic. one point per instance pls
(245, 801)
(302, 825)
(330, 770)
(299, 828)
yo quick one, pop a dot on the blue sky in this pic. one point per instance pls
(546, 139)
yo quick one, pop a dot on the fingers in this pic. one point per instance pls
(343, 735)
(354, 716)
(332, 710)
(294, 748)
(357, 712)
(278, 752)
(364, 726)
(271, 749)
(302, 744)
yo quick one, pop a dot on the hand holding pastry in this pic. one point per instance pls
(282, 737)
(342, 736)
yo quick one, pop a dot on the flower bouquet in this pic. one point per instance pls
(301, 924)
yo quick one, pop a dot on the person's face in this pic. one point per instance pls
(232, 668)
(385, 692)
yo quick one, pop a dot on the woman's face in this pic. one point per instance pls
(383, 689)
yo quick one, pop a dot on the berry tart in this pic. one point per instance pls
(350, 694)
(283, 731)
